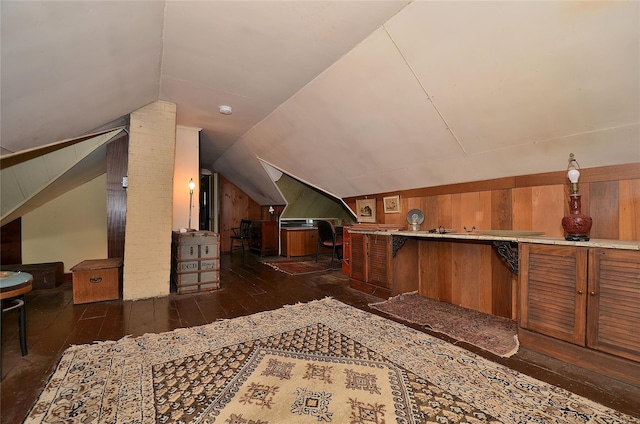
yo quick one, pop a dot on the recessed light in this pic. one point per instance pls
(226, 110)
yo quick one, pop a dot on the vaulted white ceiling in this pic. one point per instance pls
(353, 97)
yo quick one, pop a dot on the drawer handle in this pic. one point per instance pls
(579, 291)
(95, 279)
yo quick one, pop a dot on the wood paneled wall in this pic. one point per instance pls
(11, 245)
(235, 205)
(117, 165)
(610, 195)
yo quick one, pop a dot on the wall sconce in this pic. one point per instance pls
(576, 225)
(192, 185)
(271, 210)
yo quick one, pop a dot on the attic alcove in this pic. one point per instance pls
(305, 201)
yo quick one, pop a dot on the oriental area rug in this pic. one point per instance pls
(306, 266)
(318, 362)
(489, 332)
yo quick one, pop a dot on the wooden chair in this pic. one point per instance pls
(241, 233)
(328, 237)
(17, 303)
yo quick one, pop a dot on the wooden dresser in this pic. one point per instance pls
(264, 237)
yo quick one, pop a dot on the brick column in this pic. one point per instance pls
(147, 250)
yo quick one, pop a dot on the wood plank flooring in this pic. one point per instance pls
(248, 286)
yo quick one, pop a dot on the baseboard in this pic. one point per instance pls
(372, 289)
(602, 363)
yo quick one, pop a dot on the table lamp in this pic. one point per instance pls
(576, 225)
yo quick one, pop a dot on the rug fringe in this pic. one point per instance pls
(399, 296)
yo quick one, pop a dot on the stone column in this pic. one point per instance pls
(147, 250)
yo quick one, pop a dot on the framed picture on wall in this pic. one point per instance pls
(366, 210)
(391, 204)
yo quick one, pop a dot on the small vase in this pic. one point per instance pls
(576, 225)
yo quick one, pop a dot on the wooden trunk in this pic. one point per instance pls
(45, 276)
(96, 280)
(195, 261)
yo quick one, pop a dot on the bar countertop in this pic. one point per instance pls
(514, 236)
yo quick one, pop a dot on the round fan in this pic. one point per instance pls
(415, 217)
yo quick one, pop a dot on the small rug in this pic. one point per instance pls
(321, 361)
(306, 266)
(492, 333)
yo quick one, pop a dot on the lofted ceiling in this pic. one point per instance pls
(351, 97)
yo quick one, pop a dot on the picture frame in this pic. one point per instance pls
(391, 204)
(366, 210)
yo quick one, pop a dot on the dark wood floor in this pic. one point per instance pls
(248, 286)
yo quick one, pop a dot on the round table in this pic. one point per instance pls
(13, 285)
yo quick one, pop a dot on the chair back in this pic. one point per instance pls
(326, 232)
(245, 228)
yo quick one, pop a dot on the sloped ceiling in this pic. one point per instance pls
(352, 97)
(29, 182)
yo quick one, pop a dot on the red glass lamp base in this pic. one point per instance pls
(576, 225)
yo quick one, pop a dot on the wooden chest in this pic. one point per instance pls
(45, 276)
(195, 261)
(96, 280)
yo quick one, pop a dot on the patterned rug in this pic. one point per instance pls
(492, 333)
(306, 266)
(322, 361)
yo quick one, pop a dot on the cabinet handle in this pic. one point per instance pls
(592, 293)
(579, 291)
(95, 279)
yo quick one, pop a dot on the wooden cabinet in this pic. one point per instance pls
(299, 241)
(580, 305)
(264, 237)
(370, 256)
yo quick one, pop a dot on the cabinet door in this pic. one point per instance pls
(614, 302)
(346, 251)
(311, 242)
(358, 256)
(378, 260)
(553, 286)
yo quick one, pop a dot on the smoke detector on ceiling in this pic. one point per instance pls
(226, 110)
